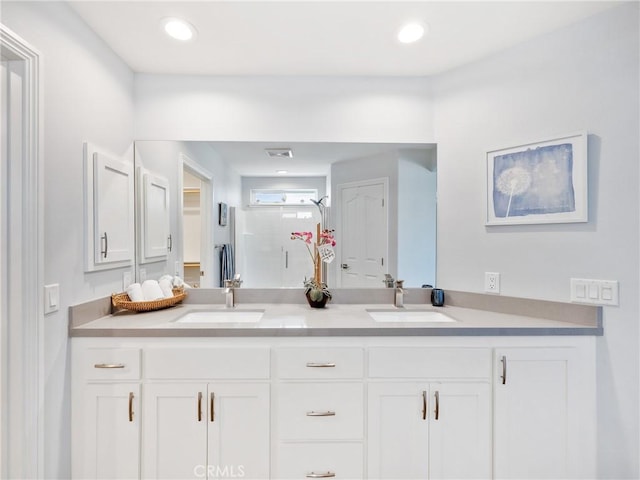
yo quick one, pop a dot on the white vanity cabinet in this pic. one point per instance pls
(318, 413)
(543, 415)
(215, 427)
(436, 425)
(106, 414)
(334, 407)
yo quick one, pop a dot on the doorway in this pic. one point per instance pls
(363, 230)
(195, 225)
(21, 260)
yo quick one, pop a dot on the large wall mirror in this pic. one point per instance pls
(206, 210)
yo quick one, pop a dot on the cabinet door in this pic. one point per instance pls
(175, 431)
(398, 431)
(238, 419)
(535, 391)
(460, 431)
(155, 234)
(108, 433)
(113, 210)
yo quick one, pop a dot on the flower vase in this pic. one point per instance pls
(317, 303)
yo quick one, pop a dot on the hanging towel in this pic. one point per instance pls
(227, 267)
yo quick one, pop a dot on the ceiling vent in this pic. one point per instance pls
(279, 152)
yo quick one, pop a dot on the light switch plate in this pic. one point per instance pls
(594, 292)
(51, 298)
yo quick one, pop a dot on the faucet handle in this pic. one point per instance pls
(399, 283)
(228, 283)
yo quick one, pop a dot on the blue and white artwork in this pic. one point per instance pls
(535, 181)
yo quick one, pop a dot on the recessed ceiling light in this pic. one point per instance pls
(411, 32)
(282, 172)
(178, 29)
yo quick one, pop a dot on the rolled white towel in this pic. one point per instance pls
(167, 277)
(178, 282)
(151, 290)
(165, 286)
(135, 292)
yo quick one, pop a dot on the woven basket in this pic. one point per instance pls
(122, 300)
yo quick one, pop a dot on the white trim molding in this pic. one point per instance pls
(23, 437)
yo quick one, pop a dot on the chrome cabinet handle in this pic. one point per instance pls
(328, 413)
(170, 242)
(212, 407)
(106, 245)
(109, 365)
(424, 404)
(504, 369)
(437, 412)
(320, 365)
(321, 475)
(199, 406)
(131, 406)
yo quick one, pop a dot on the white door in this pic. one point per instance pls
(363, 235)
(110, 432)
(113, 210)
(156, 238)
(460, 431)
(238, 420)
(531, 413)
(398, 431)
(175, 431)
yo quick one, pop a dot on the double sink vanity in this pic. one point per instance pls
(484, 387)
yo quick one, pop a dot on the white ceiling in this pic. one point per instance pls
(300, 37)
(310, 159)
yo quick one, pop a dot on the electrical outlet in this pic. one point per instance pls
(491, 282)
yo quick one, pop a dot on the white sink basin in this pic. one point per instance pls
(414, 316)
(222, 316)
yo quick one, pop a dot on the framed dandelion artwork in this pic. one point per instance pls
(540, 182)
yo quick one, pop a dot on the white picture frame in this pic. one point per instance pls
(538, 182)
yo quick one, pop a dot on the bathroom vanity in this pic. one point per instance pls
(352, 391)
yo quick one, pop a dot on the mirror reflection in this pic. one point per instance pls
(208, 210)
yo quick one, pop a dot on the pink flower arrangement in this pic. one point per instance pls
(325, 237)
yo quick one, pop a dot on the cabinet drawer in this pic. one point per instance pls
(304, 460)
(206, 363)
(433, 363)
(319, 363)
(326, 411)
(110, 363)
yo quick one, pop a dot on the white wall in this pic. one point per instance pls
(416, 223)
(292, 109)
(584, 77)
(88, 96)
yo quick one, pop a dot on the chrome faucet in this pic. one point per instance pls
(229, 290)
(388, 281)
(399, 294)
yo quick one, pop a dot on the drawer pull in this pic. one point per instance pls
(320, 365)
(109, 365)
(328, 413)
(131, 406)
(321, 475)
(424, 404)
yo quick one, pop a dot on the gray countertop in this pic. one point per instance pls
(296, 319)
